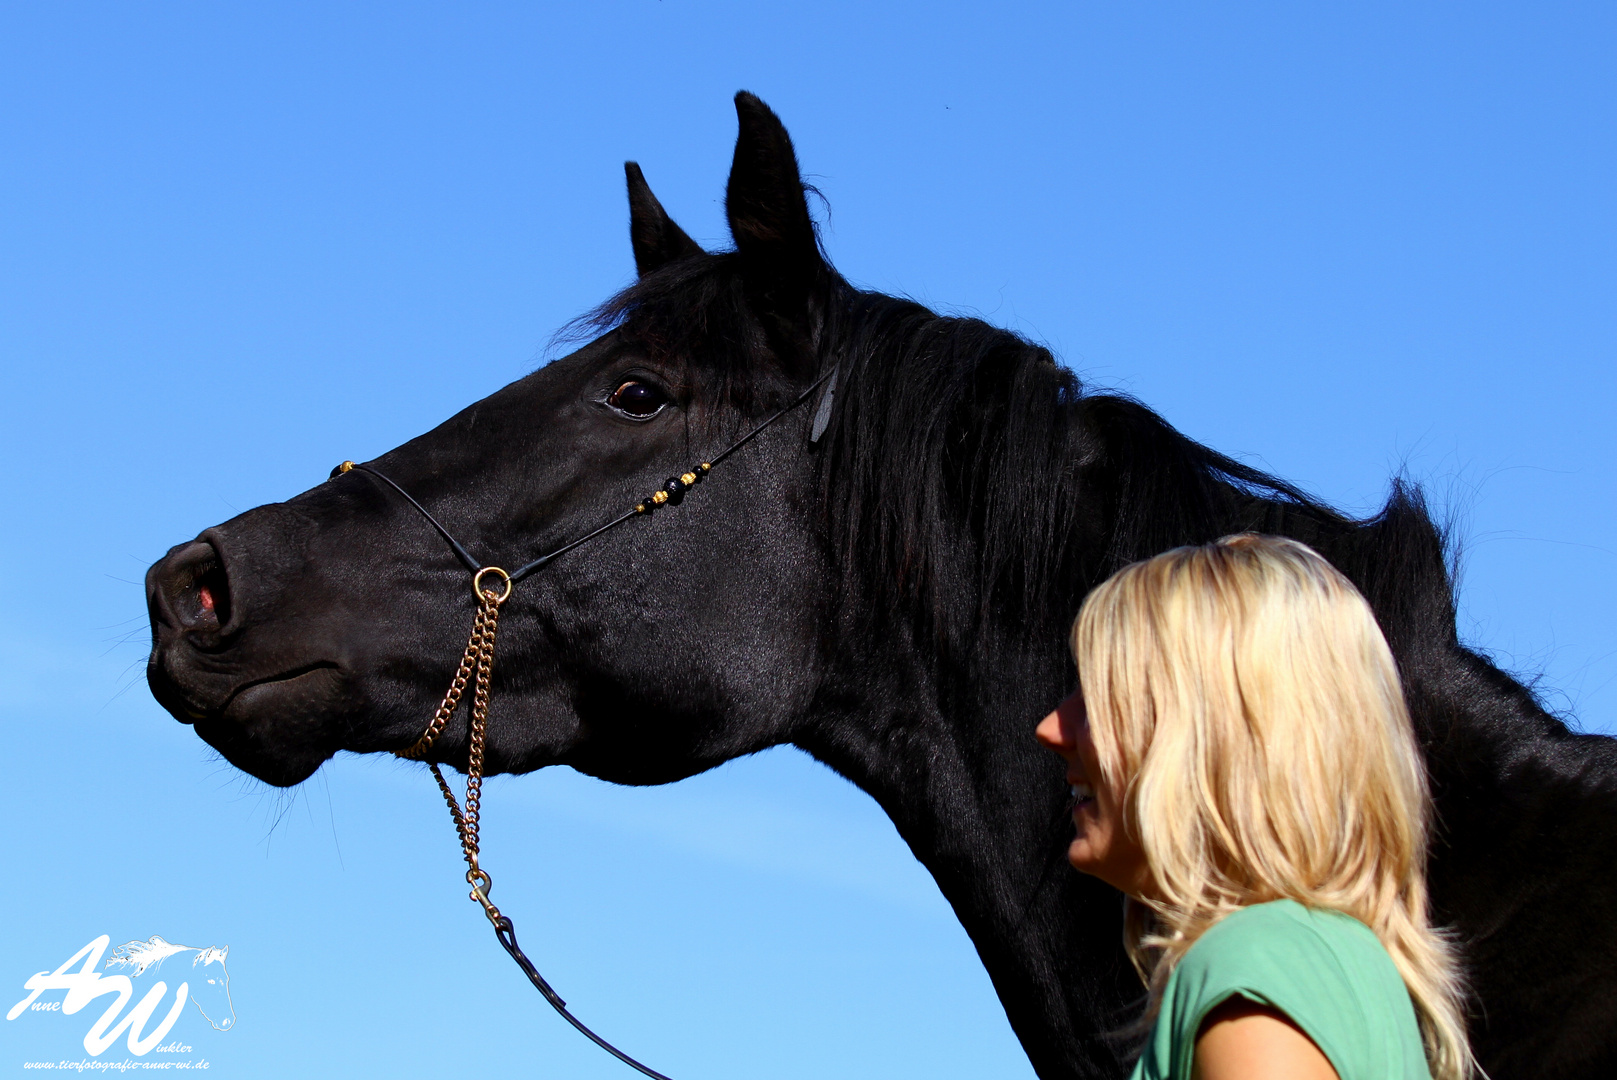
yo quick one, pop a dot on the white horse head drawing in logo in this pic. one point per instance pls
(209, 981)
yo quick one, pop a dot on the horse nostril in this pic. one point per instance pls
(213, 593)
(195, 589)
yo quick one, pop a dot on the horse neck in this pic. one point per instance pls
(947, 749)
(1525, 808)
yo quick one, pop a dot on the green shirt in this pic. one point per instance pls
(1327, 971)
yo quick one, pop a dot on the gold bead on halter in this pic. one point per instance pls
(688, 479)
(659, 497)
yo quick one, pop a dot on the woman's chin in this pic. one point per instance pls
(1083, 856)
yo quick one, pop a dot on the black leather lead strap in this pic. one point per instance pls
(504, 930)
(508, 938)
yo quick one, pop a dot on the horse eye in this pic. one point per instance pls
(638, 399)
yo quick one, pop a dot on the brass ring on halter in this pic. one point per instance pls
(477, 584)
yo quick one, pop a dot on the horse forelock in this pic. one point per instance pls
(210, 955)
(694, 316)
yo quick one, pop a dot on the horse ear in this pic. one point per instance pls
(657, 240)
(770, 223)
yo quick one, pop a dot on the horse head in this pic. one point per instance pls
(210, 987)
(208, 984)
(333, 621)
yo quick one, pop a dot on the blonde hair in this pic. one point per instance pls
(1242, 699)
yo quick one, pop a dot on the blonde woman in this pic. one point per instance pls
(1244, 770)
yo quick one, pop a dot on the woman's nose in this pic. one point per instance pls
(1050, 733)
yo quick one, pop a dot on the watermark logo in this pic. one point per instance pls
(203, 980)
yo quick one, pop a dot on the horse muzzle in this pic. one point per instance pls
(274, 714)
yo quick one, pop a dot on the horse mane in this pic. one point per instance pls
(968, 477)
(143, 954)
(988, 480)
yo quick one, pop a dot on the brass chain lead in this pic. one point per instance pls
(477, 669)
(457, 687)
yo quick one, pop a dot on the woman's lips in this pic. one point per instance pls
(1082, 795)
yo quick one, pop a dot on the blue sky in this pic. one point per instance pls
(242, 243)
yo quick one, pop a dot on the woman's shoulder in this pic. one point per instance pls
(1284, 931)
(1310, 957)
(1324, 969)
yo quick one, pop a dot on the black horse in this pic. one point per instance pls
(892, 597)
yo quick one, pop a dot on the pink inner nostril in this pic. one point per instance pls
(192, 591)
